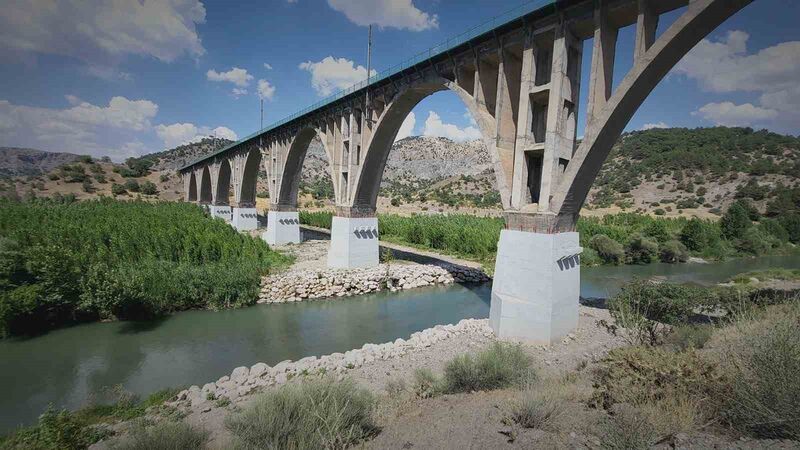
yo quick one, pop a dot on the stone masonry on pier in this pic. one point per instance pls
(521, 83)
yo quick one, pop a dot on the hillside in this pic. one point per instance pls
(669, 172)
(15, 162)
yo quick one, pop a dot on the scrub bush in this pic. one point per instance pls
(316, 414)
(673, 252)
(164, 436)
(500, 366)
(609, 250)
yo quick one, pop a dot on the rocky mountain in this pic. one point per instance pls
(15, 162)
(172, 159)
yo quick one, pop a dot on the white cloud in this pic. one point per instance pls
(81, 128)
(650, 126)
(331, 75)
(237, 76)
(238, 92)
(725, 66)
(435, 127)
(407, 128)
(729, 114)
(400, 14)
(100, 32)
(184, 133)
(265, 89)
(267, 66)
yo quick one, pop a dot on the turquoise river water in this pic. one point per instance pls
(72, 366)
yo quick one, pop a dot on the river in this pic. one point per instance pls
(71, 366)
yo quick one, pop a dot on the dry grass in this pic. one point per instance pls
(164, 436)
(320, 414)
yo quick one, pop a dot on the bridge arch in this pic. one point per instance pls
(192, 194)
(247, 187)
(223, 190)
(205, 186)
(292, 168)
(367, 183)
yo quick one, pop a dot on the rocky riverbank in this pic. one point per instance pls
(303, 284)
(243, 380)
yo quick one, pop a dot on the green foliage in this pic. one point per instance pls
(73, 173)
(132, 186)
(118, 189)
(641, 250)
(55, 430)
(100, 178)
(699, 235)
(320, 188)
(644, 308)
(67, 262)
(319, 219)
(149, 188)
(427, 384)
(791, 223)
(735, 221)
(465, 235)
(164, 436)
(673, 252)
(315, 414)
(500, 366)
(609, 250)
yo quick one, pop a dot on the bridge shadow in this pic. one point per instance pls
(142, 326)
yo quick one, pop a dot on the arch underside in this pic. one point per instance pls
(292, 168)
(205, 186)
(247, 193)
(192, 187)
(367, 184)
(223, 193)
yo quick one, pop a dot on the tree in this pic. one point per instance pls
(735, 222)
(149, 188)
(694, 235)
(609, 250)
(132, 185)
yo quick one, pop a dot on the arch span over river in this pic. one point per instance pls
(520, 79)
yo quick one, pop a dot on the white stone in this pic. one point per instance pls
(239, 373)
(244, 219)
(536, 286)
(258, 370)
(354, 242)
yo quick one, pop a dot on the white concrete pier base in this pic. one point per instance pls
(283, 227)
(221, 211)
(354, 242)
(536, 286)
(245, 219)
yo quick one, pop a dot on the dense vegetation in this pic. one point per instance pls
(67, 262)
(707, 153)
(613, 239)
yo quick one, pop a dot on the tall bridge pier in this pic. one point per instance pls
(520, 80)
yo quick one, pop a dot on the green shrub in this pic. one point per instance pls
(641, 250)
(775, 229)
(426, 384)
(757, 242)
(55, 430)
(500, 366)
(643, 308)
(315, 414)
(684, 337)
(673, 252)
(149, 188)
(118, 189)
(164, 436)
(609, 250)
(791, 223)
(132, 186)
(627, 429)
(697, 235)
(762, 359)
(735, 221)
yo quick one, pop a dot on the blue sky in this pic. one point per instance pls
(128, 77)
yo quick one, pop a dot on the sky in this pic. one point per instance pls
(128, 77)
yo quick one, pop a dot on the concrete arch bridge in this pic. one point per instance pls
(521, 82)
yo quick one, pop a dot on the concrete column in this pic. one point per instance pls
(354, 240)
(605, 44)
(244, 217)
(283, 226)
(646, 25)
(536, 286)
